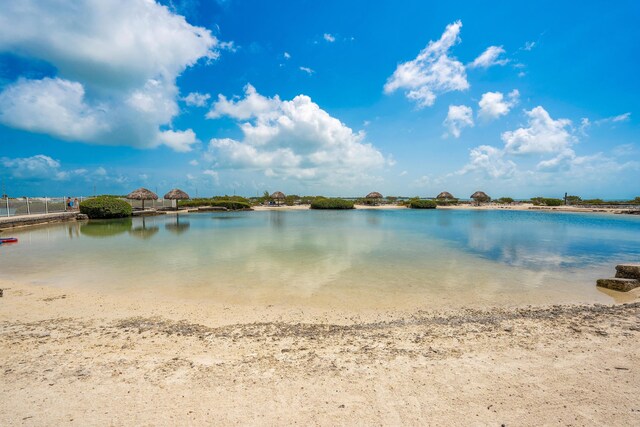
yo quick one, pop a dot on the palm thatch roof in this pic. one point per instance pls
(479, 195)
(374, 195)
(176, 194)
(142, 194)
(445, 195)
(278, 195)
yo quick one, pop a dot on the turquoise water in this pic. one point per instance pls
(362, 258)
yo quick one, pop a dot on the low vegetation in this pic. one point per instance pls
(105, 207)
(504, 200)
(233, 203)
(422, 204)
(331, 203)
(544, 201)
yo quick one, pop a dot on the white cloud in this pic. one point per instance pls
(432, 72)
(328, 37)
(529, 46)
(458, 117)
(292, 139)
(40, 168)
(621, 118)
(489, 58)
(286, 55)
(307, 70)
(542, 136)
(196, 99)
(116, 61)
(51, 106)
(488, 161)
(36, 167)
(493, 104)
(251, 106)
(194, 162)
(180, 141)
(213, 174)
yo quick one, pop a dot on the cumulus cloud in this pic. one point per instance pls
(116, 61)
(493, 104)
(328, 37)
(196, 99)
(543, 135)
(36, 167)
(291, 139)
(432, 72)
(490, 162)
(458, 117)
(286, 55)
(307, 70)
(53, 106)
(489, 58)
(180, 141)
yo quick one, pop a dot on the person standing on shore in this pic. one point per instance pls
(76, 204)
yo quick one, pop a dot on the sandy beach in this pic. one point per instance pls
(86, 358)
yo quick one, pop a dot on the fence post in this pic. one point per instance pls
(46, 205)
(28, 207)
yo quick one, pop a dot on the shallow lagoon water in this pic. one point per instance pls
(350, 259)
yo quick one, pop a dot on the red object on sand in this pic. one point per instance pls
(9, 240)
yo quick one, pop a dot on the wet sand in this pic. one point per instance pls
(85, 358)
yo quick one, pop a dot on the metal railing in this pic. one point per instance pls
(44, 205)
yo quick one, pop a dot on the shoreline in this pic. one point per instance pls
(27, 221)
(90, 358)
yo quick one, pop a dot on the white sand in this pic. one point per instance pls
(85, 358)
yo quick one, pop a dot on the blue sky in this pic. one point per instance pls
(338, 98)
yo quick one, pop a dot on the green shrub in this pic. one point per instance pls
(593, 202)
(538, 201)
(331, 203)
(422, 204)
(504, 200)
(232, 203)
(574, 200)
(105, 207)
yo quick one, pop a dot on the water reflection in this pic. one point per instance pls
(144, 231)
(106, 227)
(180, 226)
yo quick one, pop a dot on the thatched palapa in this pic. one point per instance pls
(142, 194)
(445, 195)
(480, 197)
(373, 195)
(176, 194)
(278, 196)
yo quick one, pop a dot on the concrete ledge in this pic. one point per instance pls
(618, 284)
(628, 271)
(25, 220)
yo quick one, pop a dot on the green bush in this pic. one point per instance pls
(232, 203)
(422, 204)
(504, 200)
(331, 203)
(105, 207)
(538, 201)
(593, 202)
(574, 200)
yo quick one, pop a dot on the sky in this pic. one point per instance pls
(340, 98)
